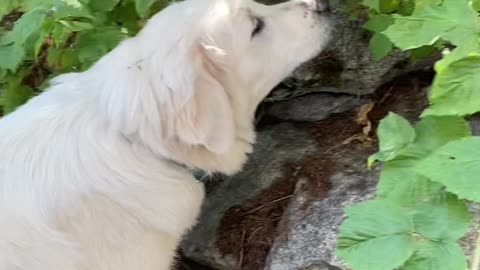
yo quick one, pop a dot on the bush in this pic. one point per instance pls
(429, 169)
(50, 37)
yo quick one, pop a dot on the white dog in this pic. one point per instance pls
(93, 172)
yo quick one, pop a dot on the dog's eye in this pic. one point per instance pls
(258, 25)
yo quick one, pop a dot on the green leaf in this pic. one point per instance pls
(388, 6)
(456, 89)
(39, 44)
(470, 46)
(14, 93)
(378, 23)
(395, 133)
(405, 187)
(422, 4)
(457, 166)
(74, 26)
(65, 11)
(380, 46)
(476, 5)
(422, 52)
(376, 229)
(3, 73)
(126, 15)
(8, 6)
(143, 7)
(382, 6)
(439, 224)
(59, 34)
(432, 255)
(104, 5)
(372, 4)
(446, 219)
(12, 56)
(454, 21)
(95, 43)
(406, 7)
(28, 24)
(433, 132)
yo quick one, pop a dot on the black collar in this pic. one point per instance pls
(199, 175)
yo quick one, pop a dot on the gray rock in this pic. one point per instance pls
(283, 211)
(320, 266)
(313, 231)
(277, 148)
(346, 66)
(314, 107)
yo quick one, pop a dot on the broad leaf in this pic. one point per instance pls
(382, 6)
(476, 5)
(8, 6)
(454, 21)
(395, 133)
(95, 43)
(104, 5)
(470, 46)
(456, 90)
(378, 23)
(457, 166)
(28, 24)
(422, 52)
(422, 4)
(433, 132)
(405, 187)
(143, 7)
(14, 93)
(444, 219)
(376, 229)
(380, 46)
(12, 56)
(432, 255)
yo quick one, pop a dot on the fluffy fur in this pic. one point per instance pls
(89, 174)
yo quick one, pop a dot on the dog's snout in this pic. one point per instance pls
(323, 5)
(317, 5)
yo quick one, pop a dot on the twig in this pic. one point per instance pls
(253, 233)
(240, 259)
(267, 204)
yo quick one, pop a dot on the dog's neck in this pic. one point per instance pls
(200, 175)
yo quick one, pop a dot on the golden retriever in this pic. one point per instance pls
(95, 172)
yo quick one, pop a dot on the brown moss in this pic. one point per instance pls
(315, 174)
(247, 232)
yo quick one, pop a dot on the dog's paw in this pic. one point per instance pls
(233, 161)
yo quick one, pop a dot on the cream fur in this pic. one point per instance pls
(89, 174)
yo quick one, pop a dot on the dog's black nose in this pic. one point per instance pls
(323, 5)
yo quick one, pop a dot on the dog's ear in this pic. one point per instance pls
(207, 117)
(170, 89)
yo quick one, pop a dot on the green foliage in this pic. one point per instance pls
(457, 166)
(58, 36)
(380, 234)
(455, 89)
(398, 134)
(430, 168)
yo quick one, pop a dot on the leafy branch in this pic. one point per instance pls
(430, 169)
(58, 36)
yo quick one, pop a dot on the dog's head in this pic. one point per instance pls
(197, 71)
